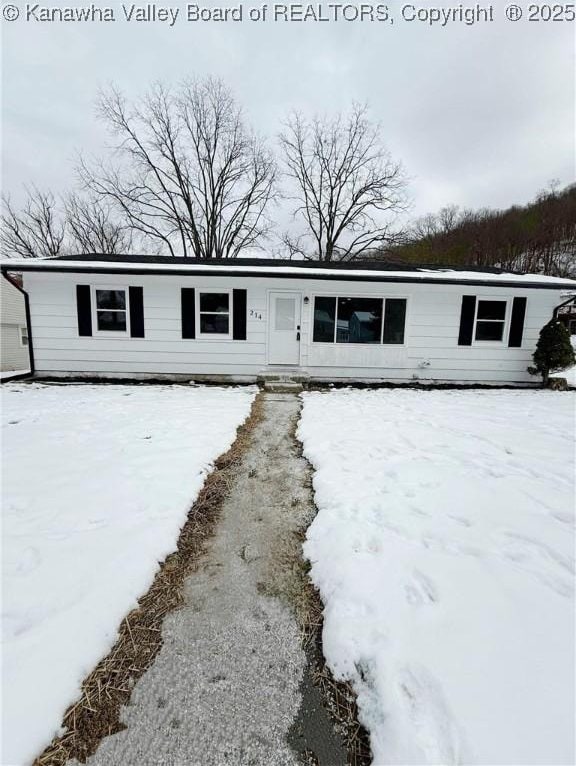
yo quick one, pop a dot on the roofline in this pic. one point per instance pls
(60, 266)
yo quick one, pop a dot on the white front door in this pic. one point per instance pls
(284, 329)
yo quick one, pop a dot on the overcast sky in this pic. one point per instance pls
(480, 115)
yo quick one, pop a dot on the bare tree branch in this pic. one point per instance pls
(92, 227)
(187, 173)
(344, 182)
(37, 230)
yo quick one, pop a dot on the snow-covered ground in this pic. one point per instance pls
(569, 374)
(97, 481)
(444, 553)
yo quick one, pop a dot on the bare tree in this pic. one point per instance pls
(187, 173)
(36, 230)
(345, 185)
(93, 228)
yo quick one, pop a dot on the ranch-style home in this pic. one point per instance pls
(248, 319)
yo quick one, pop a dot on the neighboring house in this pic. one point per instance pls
(237, 320)
(567, 315)
(14, 350)
(364, 327)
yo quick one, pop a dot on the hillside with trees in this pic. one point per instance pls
(539, 237)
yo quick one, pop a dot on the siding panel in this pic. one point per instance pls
(432, 326)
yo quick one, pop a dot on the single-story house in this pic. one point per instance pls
(241, 320)
(14, 349)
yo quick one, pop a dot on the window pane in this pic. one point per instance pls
(215, 302)
(359, 320)
(491, 309)
(394, 320)
(324, 319)
(110, 299)
(285, 314)
(216, 324)
(112, 320)
(489, 330)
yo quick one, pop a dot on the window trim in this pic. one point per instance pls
(214, 336)
(380, 343)
(94, 308)
(22, 327)
(505, 321)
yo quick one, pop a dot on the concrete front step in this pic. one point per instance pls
(282, 386)
(283, 376)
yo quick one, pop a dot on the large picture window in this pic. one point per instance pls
(214, 313)
(111, 310)
(359, 320)
(490, 321)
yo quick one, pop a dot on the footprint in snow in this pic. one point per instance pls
(27, 562)
(421, 590)
(460, 520)
(541, 561)
(435, 731)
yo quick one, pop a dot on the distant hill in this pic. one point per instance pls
(539, 237)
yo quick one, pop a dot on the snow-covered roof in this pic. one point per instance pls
(365, 271)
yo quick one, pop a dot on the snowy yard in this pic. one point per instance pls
(444, 552)
(97, 481)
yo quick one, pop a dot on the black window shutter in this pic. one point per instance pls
(188, 313)
(467, 320)
(239, 318)
(84, 309)
(136, 312)
(517, 322)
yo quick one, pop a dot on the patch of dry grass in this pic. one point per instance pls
(96, 714)
(339, 697)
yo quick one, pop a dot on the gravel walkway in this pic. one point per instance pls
(229, 685)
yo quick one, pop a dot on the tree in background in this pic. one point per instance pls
(45, 227)
(187, 173)
(539, 237)
(35, 230)
(92, 227)
(554, 352)
(344, 183)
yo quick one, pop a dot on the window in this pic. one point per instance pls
(359, 320)
(394, 321)
(111, 310)
(490, 320)
(324, 319)
(214, 313)
(285, 314)
(23, 335)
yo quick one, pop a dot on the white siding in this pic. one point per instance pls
(13, 356)
(430, 352)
